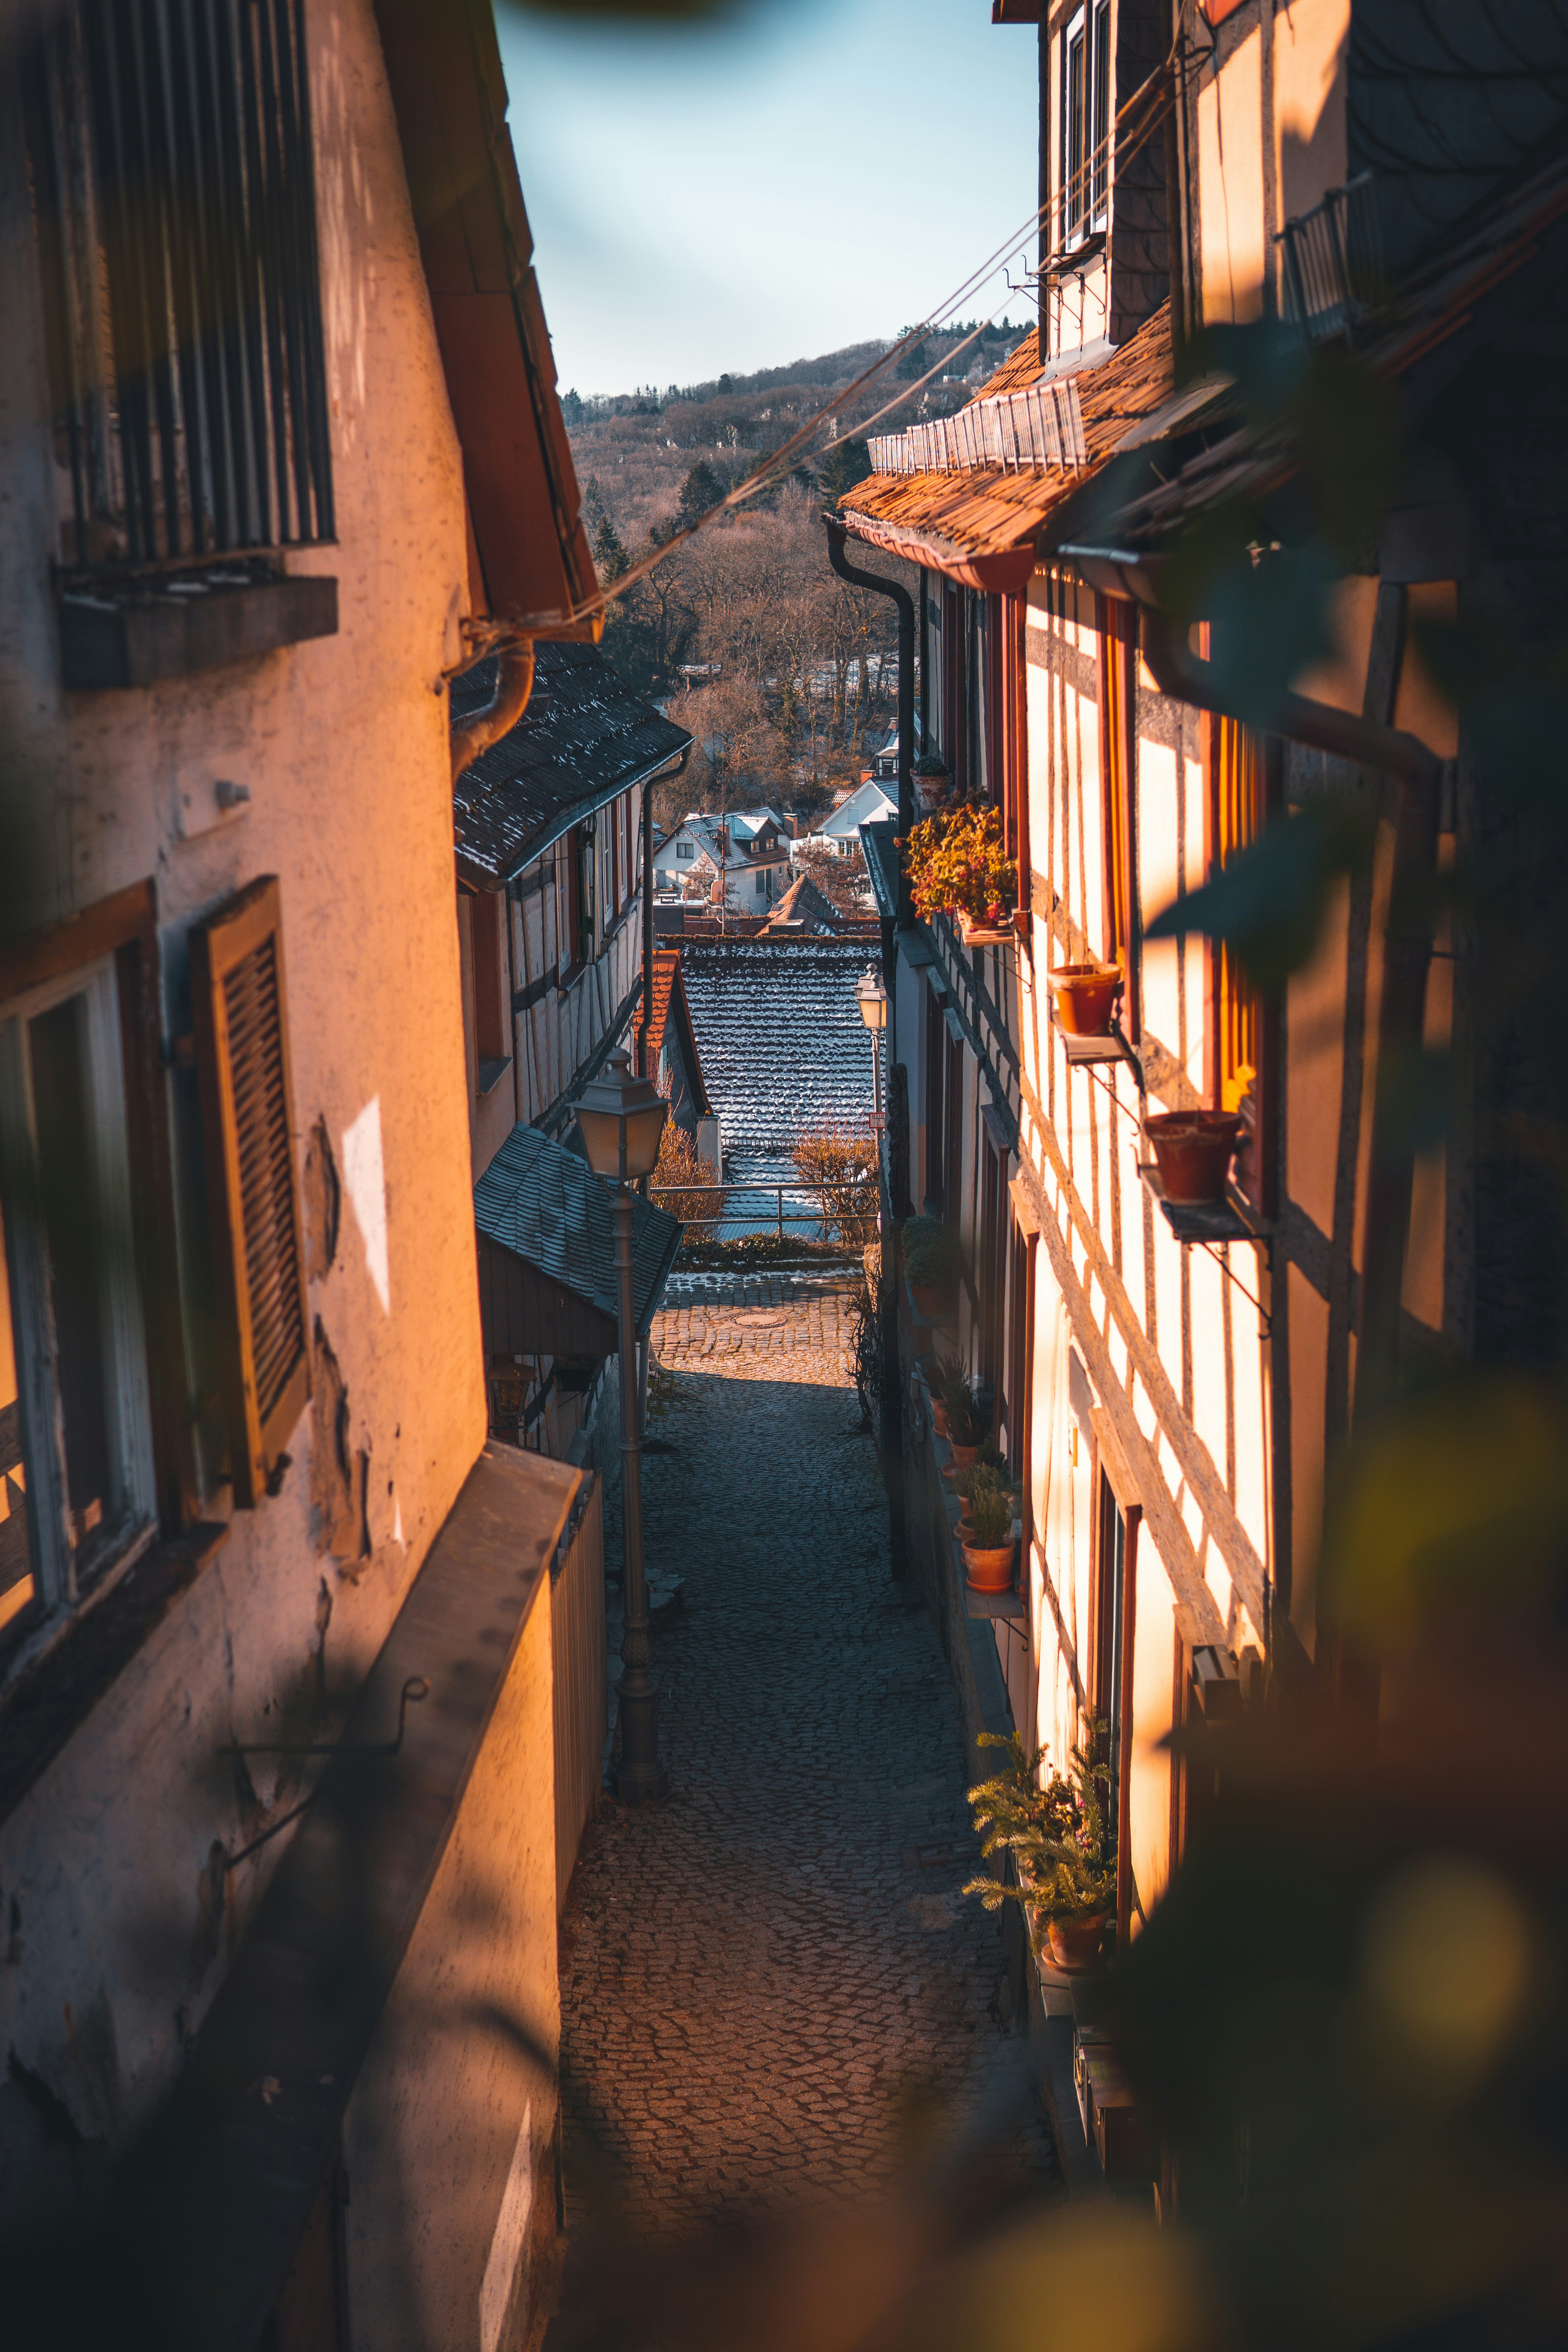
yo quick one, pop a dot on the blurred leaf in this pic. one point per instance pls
(1347, 423)
(1457, 1508)
(1266, 360)
(1269, 621)
(1266, 901)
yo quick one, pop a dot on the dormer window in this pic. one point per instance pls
(1086, 120)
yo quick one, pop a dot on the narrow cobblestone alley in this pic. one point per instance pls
(758, 1976)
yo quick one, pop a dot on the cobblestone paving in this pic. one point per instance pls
(756, 1977)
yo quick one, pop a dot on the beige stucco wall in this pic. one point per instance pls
(1230, 185)
(449, 2137)
(342, 743)
(1312, 40)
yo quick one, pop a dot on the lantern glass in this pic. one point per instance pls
(622, 1119)
(872, 998)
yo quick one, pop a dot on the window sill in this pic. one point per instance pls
(53, 1697)
(123, 633)
(490, 1073)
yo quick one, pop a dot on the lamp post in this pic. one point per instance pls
(622, 1118)
(872, 998)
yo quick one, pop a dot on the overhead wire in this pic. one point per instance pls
(772, 468)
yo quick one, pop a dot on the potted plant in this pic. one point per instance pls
(957, 864)
(932, 782)
(979, 1473)
(946, 1376)
(988, 1546)
(1086, 996)
(931, 1261)
(1193, 1151)
(968, 1424)
(1064, 1859)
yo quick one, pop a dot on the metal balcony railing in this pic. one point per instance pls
(1330, 261)
(1020, 431)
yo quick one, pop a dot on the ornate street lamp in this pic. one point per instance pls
(622, 1118)
(872, 998)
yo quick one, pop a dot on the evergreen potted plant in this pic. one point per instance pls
(1064, 1858)
(932, 782)
(968, 1423)
(931, 1261)
(945, 1376)
(988, 1546)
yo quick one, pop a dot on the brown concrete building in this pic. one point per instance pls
(278, 1627)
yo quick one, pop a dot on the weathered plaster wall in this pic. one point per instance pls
(1230, 149)
(449, 2141)
(112, 1867)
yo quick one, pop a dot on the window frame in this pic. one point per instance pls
(1241, 785)
(59, 1582)
(1085, 124)
(1116, 625)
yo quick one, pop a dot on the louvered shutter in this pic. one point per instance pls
(242, 1053)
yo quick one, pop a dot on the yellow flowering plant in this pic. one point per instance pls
(956, 863)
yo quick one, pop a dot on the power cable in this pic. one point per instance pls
(770, 469)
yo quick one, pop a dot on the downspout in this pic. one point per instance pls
(887, 1302)
(905, 603)
(514, 682)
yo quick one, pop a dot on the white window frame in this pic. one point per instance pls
(127, 1403)
(1088, 29)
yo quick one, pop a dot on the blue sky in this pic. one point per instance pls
(798, 175)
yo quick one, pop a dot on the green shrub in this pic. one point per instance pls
(990, 1515)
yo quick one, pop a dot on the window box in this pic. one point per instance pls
(132, 631)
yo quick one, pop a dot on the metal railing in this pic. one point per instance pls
(1020, 432)
(579, 1674)
(1330, 261)
(835, 1212)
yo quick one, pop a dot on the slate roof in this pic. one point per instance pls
(547, 1206)
(880, 843)
(744, 825)
(783, 1046)
(981, 525)
(666, 1002)
(584, 739)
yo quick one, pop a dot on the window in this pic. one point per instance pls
(762, 882)
(684, 849)
(240, 1004)
(1237, 1057)
(1084, 121)
(76, 1459)
(1117, 625)
(168, 152)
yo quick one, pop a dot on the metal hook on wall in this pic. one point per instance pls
(414, 1689)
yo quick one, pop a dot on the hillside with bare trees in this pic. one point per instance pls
(785, 673)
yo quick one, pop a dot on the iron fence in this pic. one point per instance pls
(835, 1212)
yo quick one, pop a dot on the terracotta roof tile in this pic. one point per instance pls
(981, 526)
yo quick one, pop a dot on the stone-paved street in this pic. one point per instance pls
(757, 1976)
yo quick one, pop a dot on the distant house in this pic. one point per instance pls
(675, 1061)
(749, 846)
(868, 804)
(805, 909)
(885, 764)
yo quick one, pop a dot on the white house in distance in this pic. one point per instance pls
(868, 804)
(751, 845)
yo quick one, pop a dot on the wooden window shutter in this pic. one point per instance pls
(242, 1053)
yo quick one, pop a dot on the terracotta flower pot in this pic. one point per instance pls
(989, 1567)
(939, 1416)
(1076, 1943)
(931, 1302)
(989, 931)
(964, 1456)
(1192, 1150)
(1086, 996)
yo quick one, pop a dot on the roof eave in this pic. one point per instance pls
(486, 878)
(1006, 572)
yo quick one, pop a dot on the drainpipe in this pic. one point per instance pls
(887, 1305)
(905, 603)
(514, 684)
